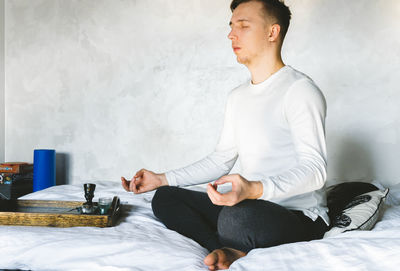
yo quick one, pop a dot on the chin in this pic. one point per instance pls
(242, 60)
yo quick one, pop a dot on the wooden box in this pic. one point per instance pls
(16, 189)
(55, 214)
(16, 168)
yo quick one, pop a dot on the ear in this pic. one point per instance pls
(274, 32)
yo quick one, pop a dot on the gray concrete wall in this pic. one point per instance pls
(119, 85)
(2, 84)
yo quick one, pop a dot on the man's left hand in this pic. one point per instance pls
(241, 189)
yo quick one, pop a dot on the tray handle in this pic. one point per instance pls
(115, 209)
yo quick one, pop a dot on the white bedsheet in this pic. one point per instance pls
(140, 242)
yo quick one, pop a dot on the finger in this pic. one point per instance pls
(140, 187)
(214, 191)
(133, 186)
(227, 199)
(125, 184)
(230, 198)
(224, 179)
(211, 196)
(216, 197)
(215, 185)
(139, 173)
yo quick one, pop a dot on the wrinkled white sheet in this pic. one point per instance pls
(141, 242)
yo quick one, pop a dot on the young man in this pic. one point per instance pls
(275, 125)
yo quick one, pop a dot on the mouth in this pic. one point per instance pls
(236, 49)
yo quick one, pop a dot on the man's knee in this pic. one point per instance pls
(233, 218)
(254, 224)
(162, 195)
(233, 226)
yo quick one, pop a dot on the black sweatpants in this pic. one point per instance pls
(244, 226)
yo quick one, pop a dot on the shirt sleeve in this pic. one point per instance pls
(214, 165)
(305, 111)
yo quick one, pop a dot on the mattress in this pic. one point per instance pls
(140, 242)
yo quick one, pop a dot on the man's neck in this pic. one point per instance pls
(264, 67)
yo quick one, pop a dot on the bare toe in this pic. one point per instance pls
(211, 260)
(222, 258)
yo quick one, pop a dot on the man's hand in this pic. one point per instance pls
(144, 181)
(241, 189)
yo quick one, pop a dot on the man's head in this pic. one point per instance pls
(258, 27)
(274, 12)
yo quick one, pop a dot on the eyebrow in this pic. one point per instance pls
(239, 21)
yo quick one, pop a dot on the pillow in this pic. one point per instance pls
(361, 213)
(338, 196)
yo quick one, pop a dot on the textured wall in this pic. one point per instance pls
(115, 86)
(352, 50)
(2, 84)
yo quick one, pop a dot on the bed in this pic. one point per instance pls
(140, 242)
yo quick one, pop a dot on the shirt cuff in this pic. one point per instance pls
(268, 189)
(171, 178)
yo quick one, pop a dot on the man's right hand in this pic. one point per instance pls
(144, 181)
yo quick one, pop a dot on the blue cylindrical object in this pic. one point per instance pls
(44, 169)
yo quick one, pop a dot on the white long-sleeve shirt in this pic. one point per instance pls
(276, 129)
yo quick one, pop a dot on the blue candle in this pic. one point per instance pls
(44, 169)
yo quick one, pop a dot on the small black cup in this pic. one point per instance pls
(89, 192)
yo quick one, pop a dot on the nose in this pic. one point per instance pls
(232, 35)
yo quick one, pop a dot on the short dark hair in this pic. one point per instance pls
(273, 8)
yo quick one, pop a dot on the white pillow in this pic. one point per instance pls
(360, 214)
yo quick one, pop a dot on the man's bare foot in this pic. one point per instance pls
(222, 258)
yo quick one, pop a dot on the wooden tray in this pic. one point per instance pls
(52, 213)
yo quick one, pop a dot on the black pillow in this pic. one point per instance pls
(340, 195)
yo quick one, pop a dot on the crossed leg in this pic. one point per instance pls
(229, 233)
